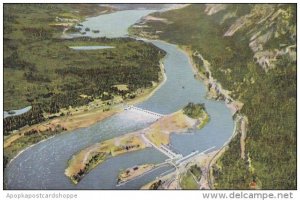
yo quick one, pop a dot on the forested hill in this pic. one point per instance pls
(252, 51)
(42, 71)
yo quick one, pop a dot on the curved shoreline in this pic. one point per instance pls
(151, 91)
(175, 123)
(146, 94)
(139, 99)
(27, 148)
(142, 97)
(220, 151)
(234, 106)
(238, 117)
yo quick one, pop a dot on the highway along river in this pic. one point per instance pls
(42, 166)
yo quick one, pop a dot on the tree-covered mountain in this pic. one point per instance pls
(252, 52)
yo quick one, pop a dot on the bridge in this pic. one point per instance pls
(144, 110)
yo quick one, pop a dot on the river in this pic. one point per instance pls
(43, 165)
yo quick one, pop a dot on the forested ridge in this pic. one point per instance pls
(252, 52)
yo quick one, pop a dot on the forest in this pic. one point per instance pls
(41, 70)
(269, 96)
(194, 110)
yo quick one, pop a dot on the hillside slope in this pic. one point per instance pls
(252, 52)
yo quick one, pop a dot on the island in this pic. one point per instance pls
(157, 135)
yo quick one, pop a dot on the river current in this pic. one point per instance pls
(42, 166)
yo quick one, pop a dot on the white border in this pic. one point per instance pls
(124, 195)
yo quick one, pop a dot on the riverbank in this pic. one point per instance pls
(214, 92)
(87, 159)
(206, 162)
(87, 13)
(158, 134)
(215, 89)
(73, 118)
(247, 81)
(53, 92)
(29, 136)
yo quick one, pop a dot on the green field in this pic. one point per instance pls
(187, 182)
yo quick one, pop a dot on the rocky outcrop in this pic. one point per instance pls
(265, 24)
(238, 24)
(214, 8)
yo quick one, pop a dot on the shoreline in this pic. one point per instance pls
(231, 106)
(44, 140)
(146, 94)
(114, 109)
(155, 135)
(143, 96)
(85, 160)
(234, 106)
(150, 91)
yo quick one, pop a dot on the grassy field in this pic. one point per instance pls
(187, 182)
(269, 97)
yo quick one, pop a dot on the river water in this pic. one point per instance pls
(43, 165)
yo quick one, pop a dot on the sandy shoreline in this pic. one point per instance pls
(158, 133)
(90, 117)
(87, 159)
(83, 119)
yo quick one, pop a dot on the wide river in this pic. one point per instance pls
(42, 166)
